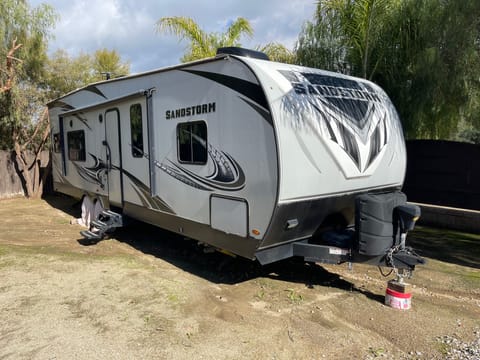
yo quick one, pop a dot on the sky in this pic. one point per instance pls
(128, 26)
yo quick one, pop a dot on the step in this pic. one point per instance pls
(110, 213)
(114, 219)
(90, 235)
(99, 224)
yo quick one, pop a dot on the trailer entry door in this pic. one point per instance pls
(113, 157)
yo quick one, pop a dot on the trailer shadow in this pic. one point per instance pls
(441, 244)
(220, 268)
(65, 203)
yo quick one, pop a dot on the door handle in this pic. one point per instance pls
(109, 154)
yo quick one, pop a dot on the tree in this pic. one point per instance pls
(278, 52)
(108, 63)
(432, 70)
(322, 44)
(424, 53)
(203, 44)
(64, 73)
(23, 124)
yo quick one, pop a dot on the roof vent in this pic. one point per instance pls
(243, 52)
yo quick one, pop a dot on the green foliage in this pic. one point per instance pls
(294, 296)
(322, 44)
(109, 62)
(65, 73)
(363, 23)
(424, 53)
(278, 52)
(468, 133)
(29, 28)
(203, 44)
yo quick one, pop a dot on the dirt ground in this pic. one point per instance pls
(147, 293)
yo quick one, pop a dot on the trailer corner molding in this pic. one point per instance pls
(190, 111)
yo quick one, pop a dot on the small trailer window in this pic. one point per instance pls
(136, 129)
(76, 145)
(56, 143)
(192, 142)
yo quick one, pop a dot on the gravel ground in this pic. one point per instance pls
(456, 349)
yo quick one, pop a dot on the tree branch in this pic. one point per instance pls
(10, 67)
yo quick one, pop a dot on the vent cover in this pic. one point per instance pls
(243, 52)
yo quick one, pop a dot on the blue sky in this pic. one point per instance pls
(127, 26)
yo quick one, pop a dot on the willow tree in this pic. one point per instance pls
(23, 119)
(424, 53)
(64, 73)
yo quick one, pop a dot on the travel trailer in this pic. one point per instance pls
(259, 159)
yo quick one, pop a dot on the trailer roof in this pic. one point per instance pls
(146, 73)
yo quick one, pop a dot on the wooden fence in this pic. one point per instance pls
(10, 182)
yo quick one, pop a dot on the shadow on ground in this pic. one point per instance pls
(220, 268)
(446, 245)
(453, 247)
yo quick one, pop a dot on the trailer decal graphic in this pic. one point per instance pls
(61, 104)
(263, 113)
(347, 112)
(95, 90)
(250, 90)
(93, 174)
(227, 174)
(143, 193)
(84, 121)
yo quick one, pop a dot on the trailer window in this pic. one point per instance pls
(192, 142)
(76, 145)
(136, 129)
(56, 143)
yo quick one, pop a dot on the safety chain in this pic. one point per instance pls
(405, 273)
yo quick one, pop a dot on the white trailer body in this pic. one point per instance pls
(243, 154)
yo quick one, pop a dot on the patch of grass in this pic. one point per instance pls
(173, 298)
(59, 220)
(260, 294)
(376, 352)
(294, 296)
(472, 277)
(26, 254)
(446, 245)
(4, 263)
(443, 348)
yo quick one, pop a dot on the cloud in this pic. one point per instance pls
(127, 26)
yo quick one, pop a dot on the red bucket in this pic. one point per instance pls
(398, 300)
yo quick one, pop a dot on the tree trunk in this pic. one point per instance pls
(24, 173)
(33, 184)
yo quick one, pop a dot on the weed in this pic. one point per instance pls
(443, 348)
(260, 294)
(376, 352)
(294, 296)
(173, 298)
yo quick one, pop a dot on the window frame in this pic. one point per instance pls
(56, 143)
(136, 151)
(191, 124)
(84, 152)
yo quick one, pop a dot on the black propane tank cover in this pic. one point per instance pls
(374, 221)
